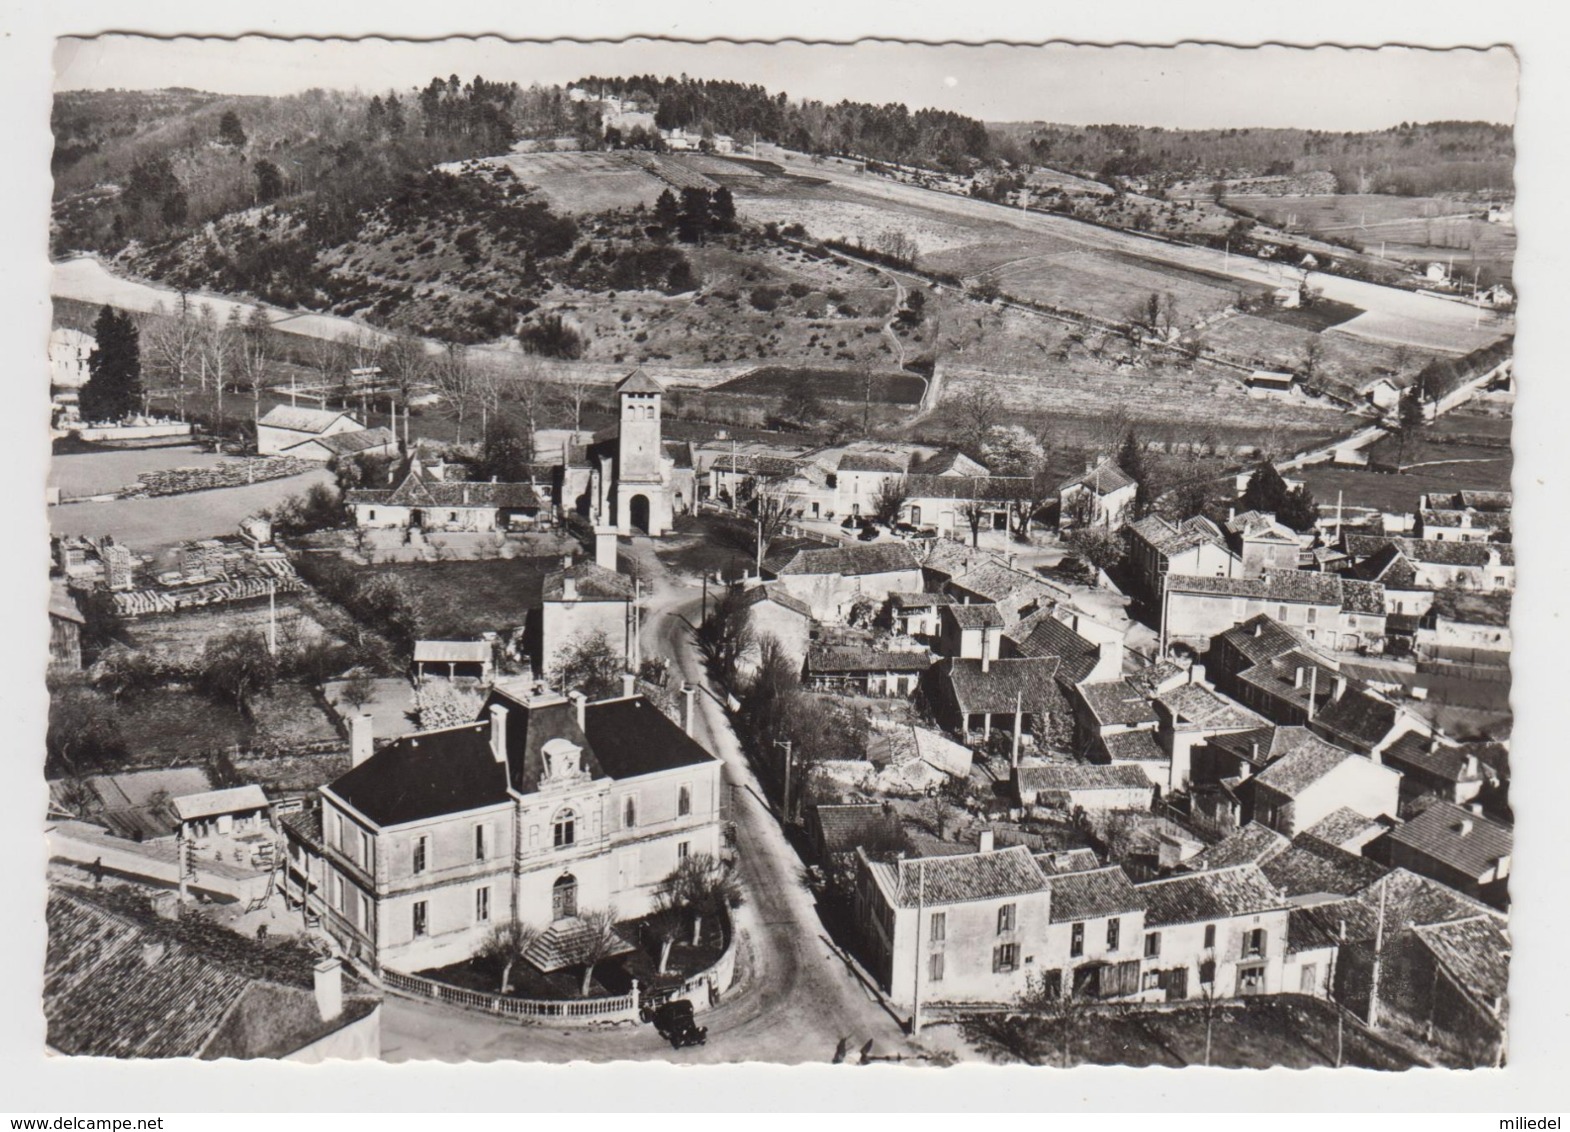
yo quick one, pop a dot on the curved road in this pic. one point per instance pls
(796, 999)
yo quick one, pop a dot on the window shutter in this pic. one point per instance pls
(997, 959)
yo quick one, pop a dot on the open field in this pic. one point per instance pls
(172, 724)
(1457, 452)
(459, 600)
(585, 182)
(1290, 1031)
(1419, 229)
(828, 385)
(95, 473)
(182, 635)
(156, 524)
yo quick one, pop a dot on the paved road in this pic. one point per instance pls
(797, 998)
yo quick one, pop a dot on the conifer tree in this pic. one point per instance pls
(114, 384)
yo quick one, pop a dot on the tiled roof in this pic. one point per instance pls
(1067, 861)
(1441, 552)
(1389, 567)
(297, 418)
(981, 615)
(997, 489)
(1362, 597)
(847, 561)
(1467, 842)
(1485, 500)
(848, 826)
(349, 443)
(1250, 845)
(1092, 895)
(1413, 751)
(870, 462)
(947, 462)
(452, 652)
(62, 604)
(1104, 478)
(1203, 707)
(1476, 952)
(639, 382)
(115, 986)
(1218, 894)
(1294, 772)
(1170, 540)
(307, 826)
(779, 596)
(1118, 703)
(568, 943)
(1309, 866)
(854, 658)
(960, 878)
(1342, 825)
(211, 803)
(592, 581)
(1252, 745)
(1029, 682)
(1133, 746)
(904, 600)
(1363, 546)
(1260, 526)
(1042, 634)
(1408, 899)
(1286, 586)
(1477, 520)
(1358, 716)
(1031, 781)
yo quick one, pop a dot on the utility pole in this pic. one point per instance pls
(785, 794)
(637, 624)
(1379, 943)
(921, 898)
(272, 617)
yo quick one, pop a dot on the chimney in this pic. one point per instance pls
(1196, 673)
(605, 547)
(579, 703)
(465, 495)
(1476, 808)
(1313, 690)
(1471, 766)
(499, 733)
(1341, 931)
(569, 588)
(566, 562)
(361, 739)
(1011, 559)
(152, 951)
(1253, 749)
(985, 843)
(1465, 828)
(328, 978)
(1340, 687)
(167, 905)
(688, 691)
(629, 684)
(1297, 677)
(986, 651)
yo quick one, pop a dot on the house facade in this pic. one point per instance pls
(541, 810)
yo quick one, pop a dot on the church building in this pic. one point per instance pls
(629, 479)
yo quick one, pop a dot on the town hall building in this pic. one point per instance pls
(544, 809)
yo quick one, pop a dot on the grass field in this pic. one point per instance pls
(585, 182)
(1459, 451)
(828, 385)
(94, 473)
(156, 524)
(1289, 1031)
(183, 635)
(460, 600)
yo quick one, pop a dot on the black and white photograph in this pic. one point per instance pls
(714, 552)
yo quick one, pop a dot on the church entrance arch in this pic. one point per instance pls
(638, 513)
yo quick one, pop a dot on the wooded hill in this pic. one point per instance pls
(1412, 159)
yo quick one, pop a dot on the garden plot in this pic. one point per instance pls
(1110, 287)
(182, 636)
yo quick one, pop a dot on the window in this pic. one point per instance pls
(1114, 931)
(684, 801)
(1308, 979)
(1005, 958)
(1076, 942)
(421, 923)
(365, 915)
(564, 829)
(452, 516)
(1254, 943)
(422, 853)
(1152, 945)
(371, 514)
(935, 967)
(1311, 612)
(940, 927)
(337, 830)
(341, 902)
(482, 842)
(629, 812)
(482, 905)
(1210, 935)
(366, 859)
(1281, 613)
(682, 849)
(1006, 918)
(564, 897)
(1207, 971)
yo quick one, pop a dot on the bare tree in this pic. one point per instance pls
(220, 343)
(575, 394)
(666, 922)
(506, 944)
(255, 354)
(975, 512)
(455, 380)
(705, 886)
(889, 500)
(174, 344)
(406, 365)
(600, 941)
(978, 408)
